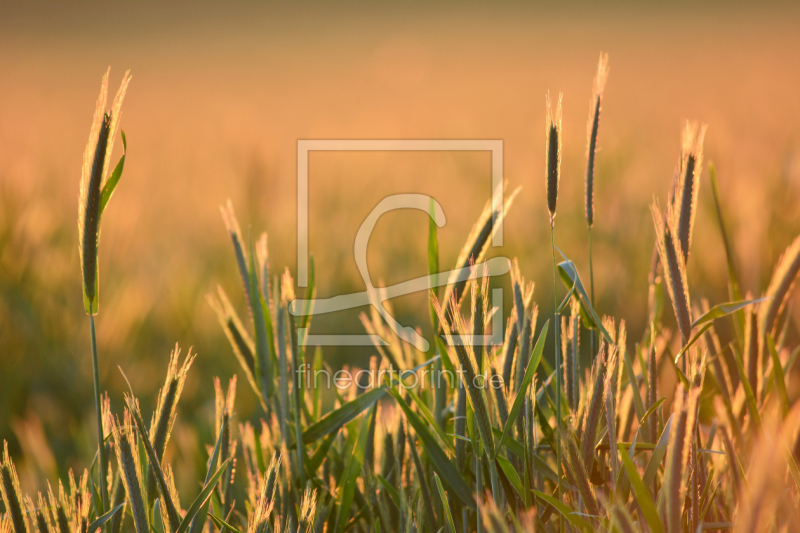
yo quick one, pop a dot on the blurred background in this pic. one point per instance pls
(221, 94)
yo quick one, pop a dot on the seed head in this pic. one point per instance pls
(688, 187)
(553, 130)
(96, 160)
(591, 131)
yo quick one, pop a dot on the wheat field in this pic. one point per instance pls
(645, 380)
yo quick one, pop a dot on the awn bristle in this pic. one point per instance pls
(553, 154)
(675, 268)
(594, 122)
(61, 524)
(780, 286)
(12, 496)
(43, 523)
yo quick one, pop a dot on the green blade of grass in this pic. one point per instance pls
(572, 517)
(748, 390)
(530, 371)
(512, 475)
(113, 178)
(200, 519)
(721, 310)
(202, 498)
(172, 512)
(777, 374)
(222, 524)
(439, 458)
(646, 504)
(697, 335)
(428, 416)
(569, 275)
(657, 456)
(335, 420)
(97, 524)
(347, 482)
(451, 527)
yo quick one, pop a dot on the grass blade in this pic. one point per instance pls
(642, 495)
(202, 498)
(530, 371)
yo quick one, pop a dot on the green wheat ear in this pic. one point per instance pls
(94, 193)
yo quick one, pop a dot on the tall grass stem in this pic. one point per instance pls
(100, 443)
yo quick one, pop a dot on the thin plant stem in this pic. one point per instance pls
(101, 444)
(591, 294)
(558, 374)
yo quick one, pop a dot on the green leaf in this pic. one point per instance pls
(530, 371)
(113, 178)
(347, 483)
(721, 310)
(223, 524)
(97, 524)
(260, 312)
(336, 419)
(657, 456)
(440, 460)
(569, 275)
(390, 490)
(697, 335)
(646, 504)
(638, 404)
(158, 522)
(511, 474)
(572, 517)
(199, 521)
(202, 498)
(428, 416)
(748, 390)
(448, 515)
(313, 464)
(652, 410)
